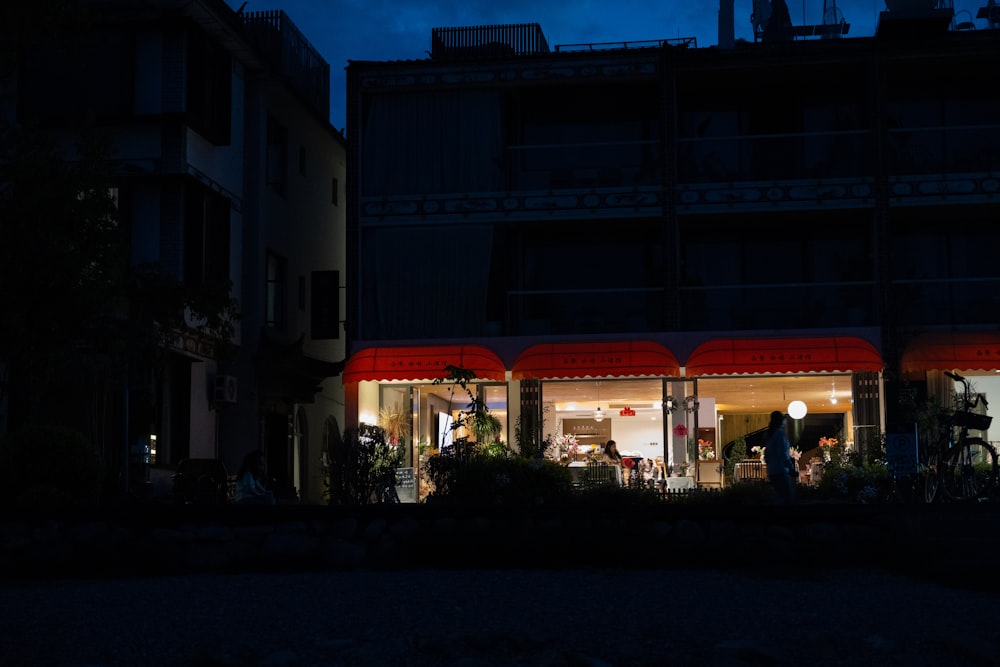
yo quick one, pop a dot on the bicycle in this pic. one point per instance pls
(960, 467)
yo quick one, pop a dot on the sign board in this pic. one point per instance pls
(901, 452)
(406, 486)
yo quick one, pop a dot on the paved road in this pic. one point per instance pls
(561, 618)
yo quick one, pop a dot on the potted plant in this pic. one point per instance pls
(394, 422)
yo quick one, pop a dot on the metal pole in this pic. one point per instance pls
(128, 450)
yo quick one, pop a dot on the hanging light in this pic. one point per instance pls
(598, 415)
(797, 409)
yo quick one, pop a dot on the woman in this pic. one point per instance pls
(250, 489)
(611, 454)
(777, 457)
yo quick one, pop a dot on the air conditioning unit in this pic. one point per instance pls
(225, 389)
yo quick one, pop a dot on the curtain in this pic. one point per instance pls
(433, 143)
(429, 281)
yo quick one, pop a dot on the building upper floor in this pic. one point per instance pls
(476, 130)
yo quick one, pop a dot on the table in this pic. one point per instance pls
(680, 483)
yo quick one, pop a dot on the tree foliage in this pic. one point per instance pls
(362, 467)
(67, 291)
(62, 255)
(45, 465)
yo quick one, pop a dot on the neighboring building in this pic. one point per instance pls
(653, 224)
(227, 169)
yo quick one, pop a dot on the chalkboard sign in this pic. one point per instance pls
(406, 485)
(901, 452)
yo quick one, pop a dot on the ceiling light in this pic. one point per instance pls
(598, 415)
(797, 410)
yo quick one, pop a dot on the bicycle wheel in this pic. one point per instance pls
(970, 470)
(931, 478)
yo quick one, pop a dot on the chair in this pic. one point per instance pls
(749, 471)
(201, 482)
(711, 474)
(601, 474)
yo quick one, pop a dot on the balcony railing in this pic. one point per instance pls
(944, 150)
(570, 311)
(775, 157)
(778, 306)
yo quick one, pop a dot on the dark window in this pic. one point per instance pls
(325, 311)
(89, 77)
(277, 156)
(206, 237)
(587, 136)
(936, 278)
(277, 268)
(776, 271)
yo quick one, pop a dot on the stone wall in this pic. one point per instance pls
(146, 541)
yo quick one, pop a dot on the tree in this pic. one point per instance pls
(62, 258)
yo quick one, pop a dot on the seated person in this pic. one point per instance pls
(649, 472)
(250, 489)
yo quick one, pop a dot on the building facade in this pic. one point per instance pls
(656, 225)
(227, 173)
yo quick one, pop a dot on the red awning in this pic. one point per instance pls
(551, 361)
(783, 355)
(966, 351)
(422, 363)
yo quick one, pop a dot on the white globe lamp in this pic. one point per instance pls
(797, 410)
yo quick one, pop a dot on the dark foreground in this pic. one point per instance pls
(468, 618)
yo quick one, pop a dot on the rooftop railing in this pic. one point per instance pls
(488, 41)
(288, 50)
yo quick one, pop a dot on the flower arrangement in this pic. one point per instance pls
(567, 442)
(681, 431)
(759, 451)
(795, 453)
(706, 450)
(826, 445)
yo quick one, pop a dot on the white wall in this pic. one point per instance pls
(638, 435)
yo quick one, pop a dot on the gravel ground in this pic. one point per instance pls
(466, 618)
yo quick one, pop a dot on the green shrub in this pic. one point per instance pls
(864, 483)
(44, 465)
(617, 496)
(495, 480)
(362, 467)
(738, 454)
(748, 493)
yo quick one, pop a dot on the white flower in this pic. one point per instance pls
(567, 442)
